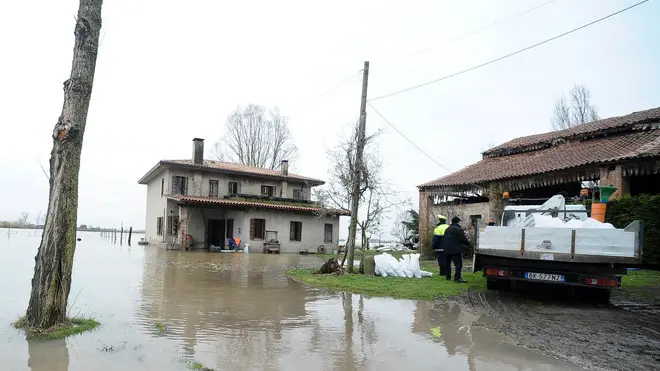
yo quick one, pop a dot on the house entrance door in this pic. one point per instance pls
(216, 233)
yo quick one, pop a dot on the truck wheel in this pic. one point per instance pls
(601, 296)
(594, 295)
(495, 284)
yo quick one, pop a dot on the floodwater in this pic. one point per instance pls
(235, 312)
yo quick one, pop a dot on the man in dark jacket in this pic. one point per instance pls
(453, 243)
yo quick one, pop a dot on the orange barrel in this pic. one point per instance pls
(598, 211)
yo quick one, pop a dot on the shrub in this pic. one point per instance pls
(623, 211)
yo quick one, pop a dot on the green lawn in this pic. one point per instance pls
(644, 278)
(427, 288)
(643, 284)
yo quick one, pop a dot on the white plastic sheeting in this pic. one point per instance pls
(552, 235)
(406, 266)
(547, 221)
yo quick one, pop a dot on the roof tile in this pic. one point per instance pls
(265, 205)
(636, 144)
(246, 169)
(650, 115)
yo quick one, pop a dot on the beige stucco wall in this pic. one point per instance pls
(312, 230)
(313, 227)
(198, 185)
(156, 206)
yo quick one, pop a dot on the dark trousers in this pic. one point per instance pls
(440, 255)
(458, 264)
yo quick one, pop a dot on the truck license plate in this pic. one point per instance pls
(544, 276)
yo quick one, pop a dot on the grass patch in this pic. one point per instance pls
(160, 328)
(643, 278)
(72, 326)
(644, 284)
(198, 366)
(396, 287)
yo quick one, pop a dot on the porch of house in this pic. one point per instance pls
(208, 224)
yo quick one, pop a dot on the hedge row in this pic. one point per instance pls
(623, 211)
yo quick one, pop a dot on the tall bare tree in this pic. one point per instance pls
(256, 136)
(375, 197)
(577, 110)
(400, 228)
(23, 221)
(54, 261)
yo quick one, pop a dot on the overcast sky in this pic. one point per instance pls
(169, 71)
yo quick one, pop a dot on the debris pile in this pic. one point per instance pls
(331, 266)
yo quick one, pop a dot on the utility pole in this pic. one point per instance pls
(357, 171)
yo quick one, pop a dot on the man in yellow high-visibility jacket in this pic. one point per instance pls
(438, 236)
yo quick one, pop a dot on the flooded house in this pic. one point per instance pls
(203, 204)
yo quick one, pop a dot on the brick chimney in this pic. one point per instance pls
(285, 167)
(198, 151)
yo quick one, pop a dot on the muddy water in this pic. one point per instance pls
(236, 312)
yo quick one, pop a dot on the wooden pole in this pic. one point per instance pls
(130, 232)
(121, 235)
(357, 171)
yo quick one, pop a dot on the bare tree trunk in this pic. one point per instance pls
(54, 261)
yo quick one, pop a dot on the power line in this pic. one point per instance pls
(491, 25)
(344, 81)
(508, 55)
(407, 139)
(413, 143)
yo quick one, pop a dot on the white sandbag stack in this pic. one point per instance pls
(406, 266)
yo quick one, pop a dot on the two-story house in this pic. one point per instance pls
(209, 201)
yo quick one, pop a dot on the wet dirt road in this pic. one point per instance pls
(161, 310)
(619, 336)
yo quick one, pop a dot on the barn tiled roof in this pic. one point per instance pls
(257, 204)
(609, 124)
(630, 141)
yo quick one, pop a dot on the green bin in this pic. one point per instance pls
(606, 192)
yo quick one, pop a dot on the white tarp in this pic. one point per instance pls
(406, 266)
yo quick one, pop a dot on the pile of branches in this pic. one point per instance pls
(332, 266)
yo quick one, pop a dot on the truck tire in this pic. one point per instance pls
(595, 295)
(495, 284)
(601, 296)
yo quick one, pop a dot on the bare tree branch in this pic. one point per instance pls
(376, 196)
(577, 111)
(257, 137)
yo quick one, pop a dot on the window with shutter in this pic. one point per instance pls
(268, 191)
(295, 231)
(233, 188)
(257, 229)
(213, 188)
(327, 235)
(179, 185)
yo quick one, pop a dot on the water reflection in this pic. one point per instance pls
(237, 312)
(51, 355)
